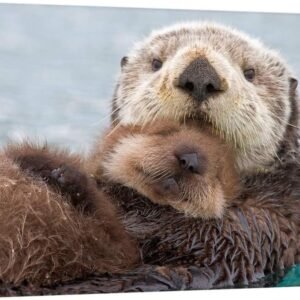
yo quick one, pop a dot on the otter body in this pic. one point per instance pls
(55, 224)
(255, 236)
(59, 225)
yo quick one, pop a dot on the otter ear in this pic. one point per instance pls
(124, 61)
(293, 83)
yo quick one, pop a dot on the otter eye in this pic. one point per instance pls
(156, 64)
(249, 74)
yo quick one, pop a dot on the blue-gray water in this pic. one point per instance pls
(58, 65)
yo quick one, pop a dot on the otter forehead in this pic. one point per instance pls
(235, 45)
(214, 74)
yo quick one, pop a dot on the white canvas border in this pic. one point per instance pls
(286, 6)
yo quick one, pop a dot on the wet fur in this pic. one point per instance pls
(258, 234)
(48, 233)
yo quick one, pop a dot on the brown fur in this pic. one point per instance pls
(258, 234)
(148, 157)
(43, 238)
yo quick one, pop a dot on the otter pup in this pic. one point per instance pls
(180, 166)
(257, 234)
(56, 225)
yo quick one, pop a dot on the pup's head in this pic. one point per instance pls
(213, 74)
(172, 165)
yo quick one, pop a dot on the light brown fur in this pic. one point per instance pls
(142, 158)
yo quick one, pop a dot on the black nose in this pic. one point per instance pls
(189, 161)
(200, 80)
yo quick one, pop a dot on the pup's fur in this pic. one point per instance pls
(55, 224)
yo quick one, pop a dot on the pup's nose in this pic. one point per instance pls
(200, 80)
(189, 161)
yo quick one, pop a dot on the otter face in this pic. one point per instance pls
(192, 172)
(212, 74)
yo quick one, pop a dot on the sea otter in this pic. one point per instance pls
(57, 225)
(246, 94)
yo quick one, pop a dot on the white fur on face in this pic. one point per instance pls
(252, 116)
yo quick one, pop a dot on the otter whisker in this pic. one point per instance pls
(114, 129)
(108, 116)
(155, 115)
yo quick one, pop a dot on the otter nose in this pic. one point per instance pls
(189, 161)
(200, 80)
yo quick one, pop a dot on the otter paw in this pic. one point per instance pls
(58, 175)
(69, 180)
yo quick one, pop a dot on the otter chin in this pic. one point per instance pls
(224, 79)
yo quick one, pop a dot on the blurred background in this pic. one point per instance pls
(58, 65)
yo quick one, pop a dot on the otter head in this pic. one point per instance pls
(174, 165)
(216, 75)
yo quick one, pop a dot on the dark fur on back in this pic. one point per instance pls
(257, 236)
